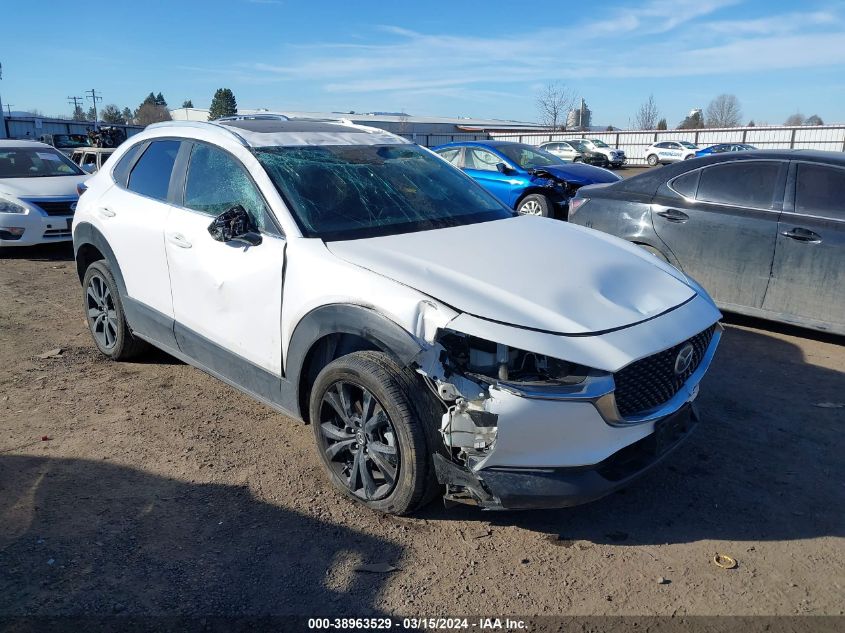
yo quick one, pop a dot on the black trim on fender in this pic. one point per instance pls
(339, 318)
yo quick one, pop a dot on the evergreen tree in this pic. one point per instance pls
(160, 101)
(78, 113)
(127, 114)
(111, 114)
(151, 99)
(187, 103)
(223, 104)
(662, 125)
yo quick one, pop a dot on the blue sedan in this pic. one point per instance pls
(721, 148)
(527, 179)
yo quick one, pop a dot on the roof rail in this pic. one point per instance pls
(203, 125)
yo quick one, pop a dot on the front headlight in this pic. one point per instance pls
(484, 359)
(7, 206)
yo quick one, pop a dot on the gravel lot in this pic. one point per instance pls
(149, 487)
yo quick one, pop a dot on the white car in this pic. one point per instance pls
(349, 278)
(563, 150)
(38, 193)
(669, 152)
(615, 157)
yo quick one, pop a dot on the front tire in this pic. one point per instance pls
(534, 204)
(375, 432)
(105, 315)
(652, 160)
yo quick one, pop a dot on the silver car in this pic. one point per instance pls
(762, 231)
(563, 150)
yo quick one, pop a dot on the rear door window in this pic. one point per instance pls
(820, 191)
(151, 175)
(740, 184)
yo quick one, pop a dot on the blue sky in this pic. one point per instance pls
(481, 59)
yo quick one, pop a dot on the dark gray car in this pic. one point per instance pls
(762, 231)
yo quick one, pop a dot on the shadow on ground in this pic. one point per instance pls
(86, 537)
(765, 464)
(58, 252)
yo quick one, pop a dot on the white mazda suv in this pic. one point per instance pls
(351, 279)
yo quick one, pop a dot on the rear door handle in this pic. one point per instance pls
(179, 240)
(802, 235)
(673, 215)
(106, 213)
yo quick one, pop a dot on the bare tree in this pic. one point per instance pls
(554, 102)
(814, 120)
(647, 116)
(723, 111)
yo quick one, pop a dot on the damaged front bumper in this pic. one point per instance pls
(517, 447)
(524, 487)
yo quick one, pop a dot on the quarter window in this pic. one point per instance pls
(740, 183)
(452, 155)
(687, 184)
(151, 174)
(217, 182)
(820, 191)
(121, 170)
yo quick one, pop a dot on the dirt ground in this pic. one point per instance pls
(151, 488)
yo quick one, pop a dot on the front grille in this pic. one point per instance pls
(55, 207)
(652, 381)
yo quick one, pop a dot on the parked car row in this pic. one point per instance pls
(525, 178)
(763, 231)
(667, 152)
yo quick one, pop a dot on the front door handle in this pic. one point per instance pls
(673, 215)
(179, 240)
(802, 235)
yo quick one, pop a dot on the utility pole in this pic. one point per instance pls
(76, 101)
(4, 129)
(92, 94)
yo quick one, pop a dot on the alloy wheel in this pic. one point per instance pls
(359, 440)
(531, 207)
(102, 316)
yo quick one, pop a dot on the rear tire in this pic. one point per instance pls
(652, 160)
(105, 315)
(534, 204)
(375, 431)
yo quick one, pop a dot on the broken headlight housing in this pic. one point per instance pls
(495, 362)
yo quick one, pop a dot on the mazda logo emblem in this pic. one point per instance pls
(683, 361)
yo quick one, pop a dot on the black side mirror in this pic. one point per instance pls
(235, 225)
(502, 168)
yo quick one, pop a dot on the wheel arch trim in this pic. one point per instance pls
(352, 319)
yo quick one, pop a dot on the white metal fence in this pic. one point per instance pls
(634, 143)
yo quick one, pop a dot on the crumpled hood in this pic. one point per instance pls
(529, 272)
(41, 187)
(581, 174)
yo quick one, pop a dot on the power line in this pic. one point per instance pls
(92, 94)
(76, 101)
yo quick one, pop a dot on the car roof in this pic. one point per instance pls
(22, 143)
(492, 143)
(648, 182)
(266, 132)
